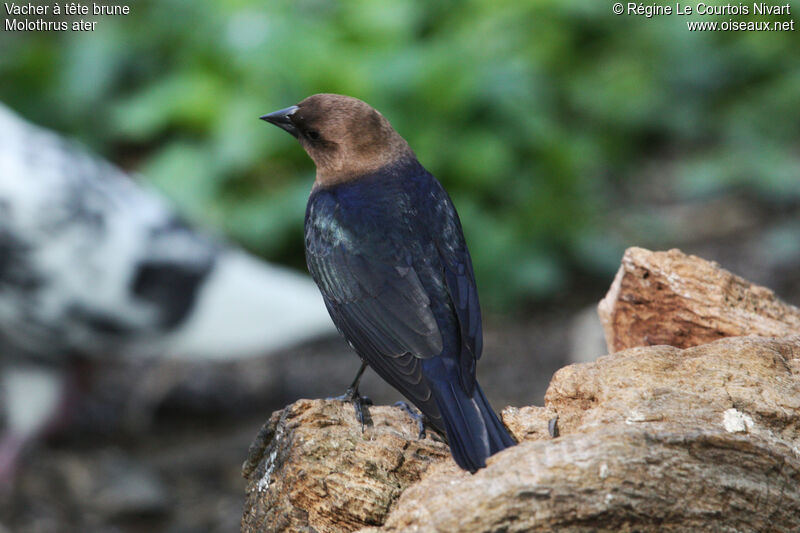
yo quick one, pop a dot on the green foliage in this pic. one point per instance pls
(530, 112)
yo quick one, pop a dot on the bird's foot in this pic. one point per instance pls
(419, 418)
(359, 404)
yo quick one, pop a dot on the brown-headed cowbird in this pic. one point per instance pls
(384, 244)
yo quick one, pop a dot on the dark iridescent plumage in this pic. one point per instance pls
(384, 244)
(389, 256)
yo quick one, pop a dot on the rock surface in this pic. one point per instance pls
(650, 438)
(312, 469)
(682, 300)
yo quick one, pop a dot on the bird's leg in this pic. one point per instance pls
(352, 395)
(419, 418)
(353, 388)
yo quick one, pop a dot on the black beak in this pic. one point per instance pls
(282, 119)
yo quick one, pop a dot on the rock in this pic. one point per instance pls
(312, 469)
(682, 300)
(528, 423)
(689, 435)
(690, 389)
(653, 439)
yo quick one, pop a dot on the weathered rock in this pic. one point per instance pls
(529, 423)
(682, 300)
(312, 469)
(653, 439)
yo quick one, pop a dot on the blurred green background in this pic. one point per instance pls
(540, 117)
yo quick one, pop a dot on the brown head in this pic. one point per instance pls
(344, 136)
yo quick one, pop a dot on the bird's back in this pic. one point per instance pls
(362, 237)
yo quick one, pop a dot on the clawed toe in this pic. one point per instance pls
(419, 418)
(359, 404)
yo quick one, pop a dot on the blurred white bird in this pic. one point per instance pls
(92, 264)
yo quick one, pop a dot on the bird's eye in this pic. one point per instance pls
(313, 135)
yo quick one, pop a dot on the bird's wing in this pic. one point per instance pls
(375, 297)
(459, 278)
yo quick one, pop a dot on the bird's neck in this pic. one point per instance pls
(403, 162)
(353, 165)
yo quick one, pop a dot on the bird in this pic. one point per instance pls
(94, 264)
(385, 246)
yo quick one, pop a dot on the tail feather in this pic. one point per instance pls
(474, 431)
(499, 438)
